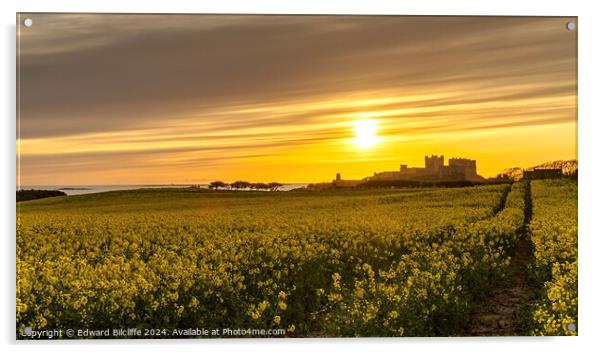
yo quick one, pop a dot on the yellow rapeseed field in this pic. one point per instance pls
(554, 234)
(334, 263)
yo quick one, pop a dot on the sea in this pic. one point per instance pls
(90, 189)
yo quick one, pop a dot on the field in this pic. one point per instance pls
(411, 262)
(553, 231)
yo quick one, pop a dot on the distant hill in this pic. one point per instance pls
(568, 168)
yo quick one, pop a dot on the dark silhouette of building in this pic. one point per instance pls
(341, 183)
(467, 167)
(434, 169)
(433, 163)
(541, 173)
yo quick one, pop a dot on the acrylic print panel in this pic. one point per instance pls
(222, 176)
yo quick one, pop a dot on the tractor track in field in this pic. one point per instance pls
(499, 314)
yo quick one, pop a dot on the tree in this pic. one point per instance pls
(240, 184)
(26, 195)
(274, 186)
(217, 184)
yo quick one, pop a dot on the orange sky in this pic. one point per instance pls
(127, 99)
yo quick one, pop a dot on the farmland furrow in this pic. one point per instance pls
(499, 315)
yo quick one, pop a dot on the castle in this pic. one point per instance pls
(434, 169)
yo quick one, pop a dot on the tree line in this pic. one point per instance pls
(240, 184)
(26, 195)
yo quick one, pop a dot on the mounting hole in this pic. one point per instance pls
(571, 26)
(28, 22)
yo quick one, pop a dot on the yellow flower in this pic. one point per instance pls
(282, 305)
(359, 293)
(276, 320)
(254, 314)
(282, 296)
(262, 306)
(335, 297)
(336, 280)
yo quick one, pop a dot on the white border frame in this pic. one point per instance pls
(590, 112)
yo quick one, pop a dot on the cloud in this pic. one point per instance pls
(130, 82)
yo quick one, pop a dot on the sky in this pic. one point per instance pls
(154, 99)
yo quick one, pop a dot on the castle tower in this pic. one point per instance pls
(433, 164)
(468, 167)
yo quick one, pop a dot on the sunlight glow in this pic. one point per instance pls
(365, 131)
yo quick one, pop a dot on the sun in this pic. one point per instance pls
(366, 133)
